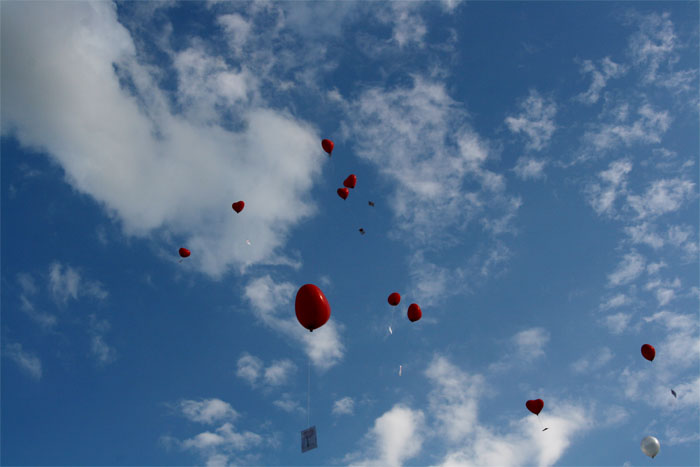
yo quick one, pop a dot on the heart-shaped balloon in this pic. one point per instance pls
(327, 146)
(414, 312)
(351, 181)
(343, 193)
(184, 252)
(535, 406)
(394, 299)
(238, 206)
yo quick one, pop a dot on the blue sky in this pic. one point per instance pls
(534, 173)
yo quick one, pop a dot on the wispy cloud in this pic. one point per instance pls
(344, 406)
(528, 168)
(252, 369)
(600, 76)
(65, 283)
(207, 411)
(536, 120)
(27, 361)
(602, 196)
(593, 362)
(629, 268)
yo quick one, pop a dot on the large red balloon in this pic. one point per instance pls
(343, 193)
(327, 146)
(351, 181)
(184, 252)
(648, 352)
(312, 307)
(238, 206)
(414, 313)
(394, 299)
(535, 406)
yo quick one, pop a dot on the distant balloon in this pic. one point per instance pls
(651, 446)
(238, 206)
(370, 203)
(327, 146)
(184, 252)
(343, 193)
(674, 393)
(362, 231)
(535, 406)
(414, 312)
(394, 299)
(311, 306)
(351, 181)
(648, 352)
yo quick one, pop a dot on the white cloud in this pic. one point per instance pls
(643, 233)
(344, 406)
(593, 362)
(278, 372)
(618, 322)
(530, 343)
(408, 26)
(608, 69)
(631, 266)
(288, 404)
(395, 437)
(615, 302)
(528, 168)
(602, 198)
(145, 150)
(648, 128)
(70, 285)
(216, 447)
(103, 352)
(663, 196)
(207, 411)
(27, 362)
(249, 368)
(43, 319)
(454, 403)
(323, 346)
(536, 120)
(653, 44)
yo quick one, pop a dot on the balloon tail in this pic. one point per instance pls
(400, 368)
(308, 395)
(179, 262)
(544, 428)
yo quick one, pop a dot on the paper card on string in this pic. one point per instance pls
(308, 439)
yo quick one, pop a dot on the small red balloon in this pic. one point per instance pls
(311, 306)
(414, 313)
(184, 252)
(327, 146)
(351, 181)
(394, 299)
(648, 352)
(238, 206)
(343, 193)
(535, 406)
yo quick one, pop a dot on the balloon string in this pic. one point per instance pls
(308, 396)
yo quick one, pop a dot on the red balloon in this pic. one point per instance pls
(648, 352)
(312, 307)
(343, 193)
(327, 146)
(184, 252)
(238, 206)
(414, 313)
(351, 181)
(394, 299)
(535, 406)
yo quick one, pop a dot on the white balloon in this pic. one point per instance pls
(651, 446)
